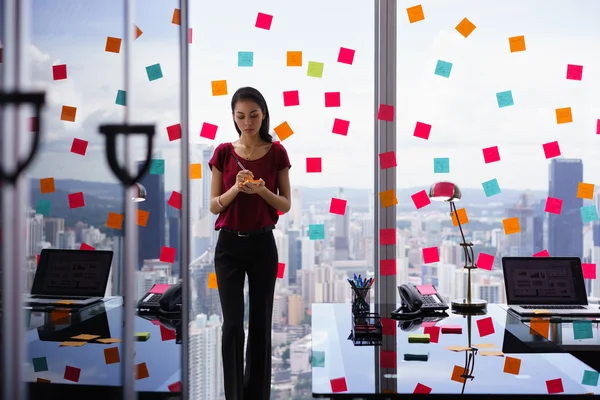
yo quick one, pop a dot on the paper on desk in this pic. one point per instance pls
(426, 289)
(485, 346)
(492, 353)
(84, 336)
(109, 340)
(72, 344)
(458, 348)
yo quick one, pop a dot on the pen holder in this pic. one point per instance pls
(360, 301)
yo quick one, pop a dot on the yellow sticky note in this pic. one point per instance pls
(512, 365)
(196, 171)
(458, 348)
(517, 43)
(585, 190)
(415, 14)
(511, 225)
(294, 58)
(176, 17)
(114, 220)
(564, 115)
(47, 185)
(462, 217)
(219, 88)
(456, 374)
(539, 326)
(84, 336)
(283, 131)
(68, 113)
(109, 340)
(541, 312)
(485, 346)
(65, 302)
(388, 198)
(492, 353)
(465, 27)
(142, 217)
(73, 344)
(212, 280)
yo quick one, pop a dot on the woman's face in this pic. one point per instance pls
(248, 116)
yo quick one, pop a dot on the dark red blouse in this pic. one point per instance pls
(249, 212)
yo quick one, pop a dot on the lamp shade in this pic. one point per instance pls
(140, 193)
(445, 191)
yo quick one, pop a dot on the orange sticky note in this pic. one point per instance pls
(141, 371)
(584, 190)
(517, 43)
(388, 198)
(462, 217)
(68, 113)
(294, 58)
(111, 355)
(512, 365)
(511, 225)
(138, 32)
(564, 115)
(539, 326)
(47, 185)
(114, 220)
(113, 45)
(219, 88)
(42, 380)
(283, 131)
(142, 217)
(176, 17)
(60, 317)
(456, 374)
(212, 280)
(465, 27)
(415, 14)
(492, 353)
(196, 171)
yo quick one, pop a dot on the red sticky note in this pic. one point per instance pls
(280, 270)
(338, 385)
(554, 386)
(388, 326)
(426, 289)
(167, 334)
(291, 98)
(491, 154)
(485, 326)
(340, 126)
(589, 271)
(543, 253)
(551, 149)
(279, 213)
(85, 246)
(485, 261)
(79, 146)
(385, 112)
(208, 131)
(387, 160)
(338, 206)
(175, 387)
(574, 72)
(346, 56)
(72, 373)
(598, 127)
(59, 72)
(76, 200)
(263, 21)
(422, 130)
(174, 132)
(190, 35)
(434, 333)
(37, 259)
(422, 389)
(387, 236)
(388, 359)
(313, 164)
(167, 254)
(431, 255)
(553, 205)
(33, 124)
(332, 99)
(387, 267)
(451, 329)
(175, 200)
(421, 199)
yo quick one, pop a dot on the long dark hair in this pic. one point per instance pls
(249, 93)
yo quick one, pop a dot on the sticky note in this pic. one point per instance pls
(175, 387)
(511, 225)
(68, 113)
(426, 289)
(387, 160)
(516, 43)
(388, 359)
(338, 206)
(219, 88)
(176, 19)
(421, 389)
(416, 356)
(543, 253)
(142, 217)
(585, 190)
(114, 220)
(415, 14)
(283, 131)
(539, 326)
(85, 336)
(462, 217)
(388, 198)
(33, 124)
(512, 365)
(196, 171)
(422, 130)
(582, 330)
(315, 69)
(485, 261)
(313, 165)
(294, 58)
(441, 165)
(589, 213)
(338, 385)
(109, 340)
(505, 99)
(85, 246)
(79, 146)
(72, 373)
(121, 98)
(590, 378)
(40, 364)
(485, 326)
(485, 346)
(431, 255)
(332, 99)
(157, 167)
(47, 185)
(564, 115)
(491, 154)
(72, 344)
(553, 205)
(554, 386)
(154, 72)
(420, 199)
(318, 359)
(280, 270)
(385, 112)
(142, 336)
(495, 353)
(245, 59)
(387, 267)
(212, 280)
(387, 236)
(574, 72)
(263, 21)
(419, 338)
(167, 254)
(167, 334)
(138, 32)
(38, 380)
(589, 271)
(457, 374)
(443, 68)
(340, 126)
(208, 131)
(538, 312)
(59, 72)
(111, 355)
(174, 132)
(113, 45)
(76, 200)
(457, 348)
(175, 200)
(551, 149)
(291, 98)
(190, 35)
(465, 27)
(141, 371)
(433, 332)
(346, 56)
(316, 232)
(43, 207)
(491, 187)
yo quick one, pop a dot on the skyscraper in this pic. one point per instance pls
(151, 238)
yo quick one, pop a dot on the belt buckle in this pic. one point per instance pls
(243, 234)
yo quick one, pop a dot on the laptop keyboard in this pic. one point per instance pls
(542, 307)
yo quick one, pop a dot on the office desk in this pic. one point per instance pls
(342, 370)
(93, 368)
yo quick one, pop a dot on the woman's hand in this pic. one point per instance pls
(242, 177)
(254, 187)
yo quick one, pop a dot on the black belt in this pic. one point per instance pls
(250, 233)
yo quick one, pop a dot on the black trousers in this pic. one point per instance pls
(236, 257)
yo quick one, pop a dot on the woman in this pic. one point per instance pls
(250, 184)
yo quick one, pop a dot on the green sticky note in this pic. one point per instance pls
(157, 167)
(315, 69)
(154, 72)
(419, 338)
(416, 357)
(121, 98)
(583, 330)
(589, 213)
(142, 336)
(41, 364)
(590, 378)
(43, 207)
(318, 359)
(441, 165)
(245, 59)
(316, 232)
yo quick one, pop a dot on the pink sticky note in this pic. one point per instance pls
(421, 199)
(485, 261)
(346, 56)
(338, 385)
(167, 254)
(190, 35)
(332, 99)
(427, 324)
(554, 386)
(426, 289)
(387, 267)
(167, 334)
(387, 160)
(159, 288)
(387, 236)
(313, 164)
(543, 253)
(291, 98)
(551, 149)
(208, 131)
(340, 126)
(598, 127)
(421, 389)
(174, 132)
(388, 359)
(263, 21)
(385, 113)
(76, 200)
(422, 130)
(175, 387)
(553, 205)
(175, 200)
(280, 270)
(574, 72)
(589, 271)
(431, 255)
(485, 326)
(434, 333)
(85, 246)
(59, 72)
(491, 154)
(79, 146)
(388, 326)
(338, 206)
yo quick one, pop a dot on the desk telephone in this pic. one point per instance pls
(162, 298)
(416, 300)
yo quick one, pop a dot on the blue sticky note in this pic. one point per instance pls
(491, 187)
(505, 99)
(40, 364)
(154, 72)
(120, 98)
(443, 68)
(316, 232)
(245, 59)
(590, 378)
(441, 165)
(43, 207)
(589, 213)
(583, 330)
(318, 359)
(157, 167)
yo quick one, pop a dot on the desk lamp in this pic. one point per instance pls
(140, 194)
(450, 192)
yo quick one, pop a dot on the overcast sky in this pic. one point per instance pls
(462, 109)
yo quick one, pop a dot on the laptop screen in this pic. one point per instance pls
(72, 273)
(544, 280)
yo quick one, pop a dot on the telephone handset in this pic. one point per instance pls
(418, 300)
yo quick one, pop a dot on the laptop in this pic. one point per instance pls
(71, 278)
(546, 286)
